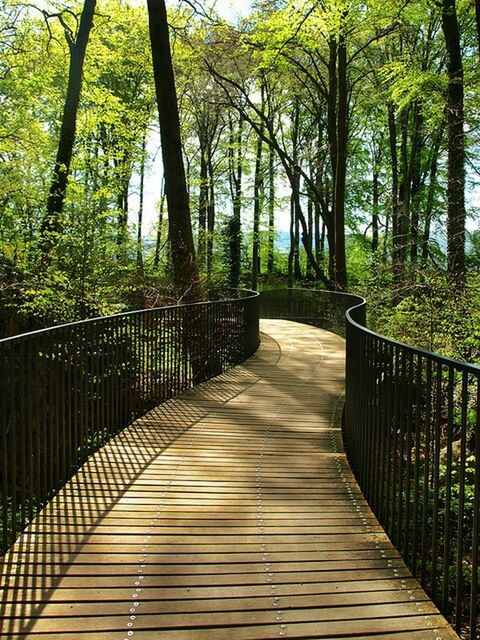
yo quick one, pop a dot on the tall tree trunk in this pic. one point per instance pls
(332, 108)
(291, 253)
(123, 172)
(210, 216)
(140, 207)
(415, 179)
(432, 184)
(296, 189)
(310, 224)
(158, 243)
(296, 253)
(202, 206)
(52, 221)
(375, 209)
(456, 145)
(271, 211)
(376, 157)
(340, 181)
(403, 191)
(397, 263)
(235, 164)
(185, 270)
(256, 213)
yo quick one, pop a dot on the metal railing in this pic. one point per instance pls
(323, 309)
(412, 434)
(67, 390)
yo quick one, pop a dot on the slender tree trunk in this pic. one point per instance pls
(256, 213)
(340, 181)
(376, 158)
(158, 243)
(291, 253)
(185, 270)
(210, 217)
(234, 225)
(397, 264)
(375, 209)
(317, 217)
(296, 253)
(52, 221)
(415, 179)
(308, 272)
(332, 108)
(123, 180)
(202, 207)
(271, 211)
(403, 191)
(140, 207)
(296, 190)
(432, 184)
(456, 145)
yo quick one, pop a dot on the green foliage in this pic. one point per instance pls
(431, 315)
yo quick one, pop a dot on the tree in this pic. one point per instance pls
(185, 270)
(456, 144)
(77, 43)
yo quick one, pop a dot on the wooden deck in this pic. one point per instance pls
(229, 513)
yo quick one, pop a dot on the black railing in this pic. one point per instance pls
(323, 309)
(66, 390)
(412, 434)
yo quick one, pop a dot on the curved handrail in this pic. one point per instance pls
(78, 323)
(66, 390)
(438, 357)
(412, 435)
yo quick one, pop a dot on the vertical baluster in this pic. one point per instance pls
(62, 365)
(21, 461)
(408, 464)
(362, 416)
(436, 476)
(388, 434)
(402, 409)
(475, 524)
(178, 347)
(5, 395)
(12, 440)
(448, 490)
(163, 330)
(123, 326)
(376, 462)
(367, 434)
(32, 451)
(75, 383)
(461, 505)
(396, 380)
(96, 346)
(118, 374)
(381, 463)
(429, 399)
(417, 464)
(171, 348)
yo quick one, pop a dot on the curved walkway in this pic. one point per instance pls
(229, 513)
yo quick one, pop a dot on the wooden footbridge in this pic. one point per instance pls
(164, 477)
(229, 512)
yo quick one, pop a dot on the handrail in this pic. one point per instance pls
(474, 368)
(66, 390)
(412, 435)
(243, 293)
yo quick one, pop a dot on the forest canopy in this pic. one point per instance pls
(330, 144)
